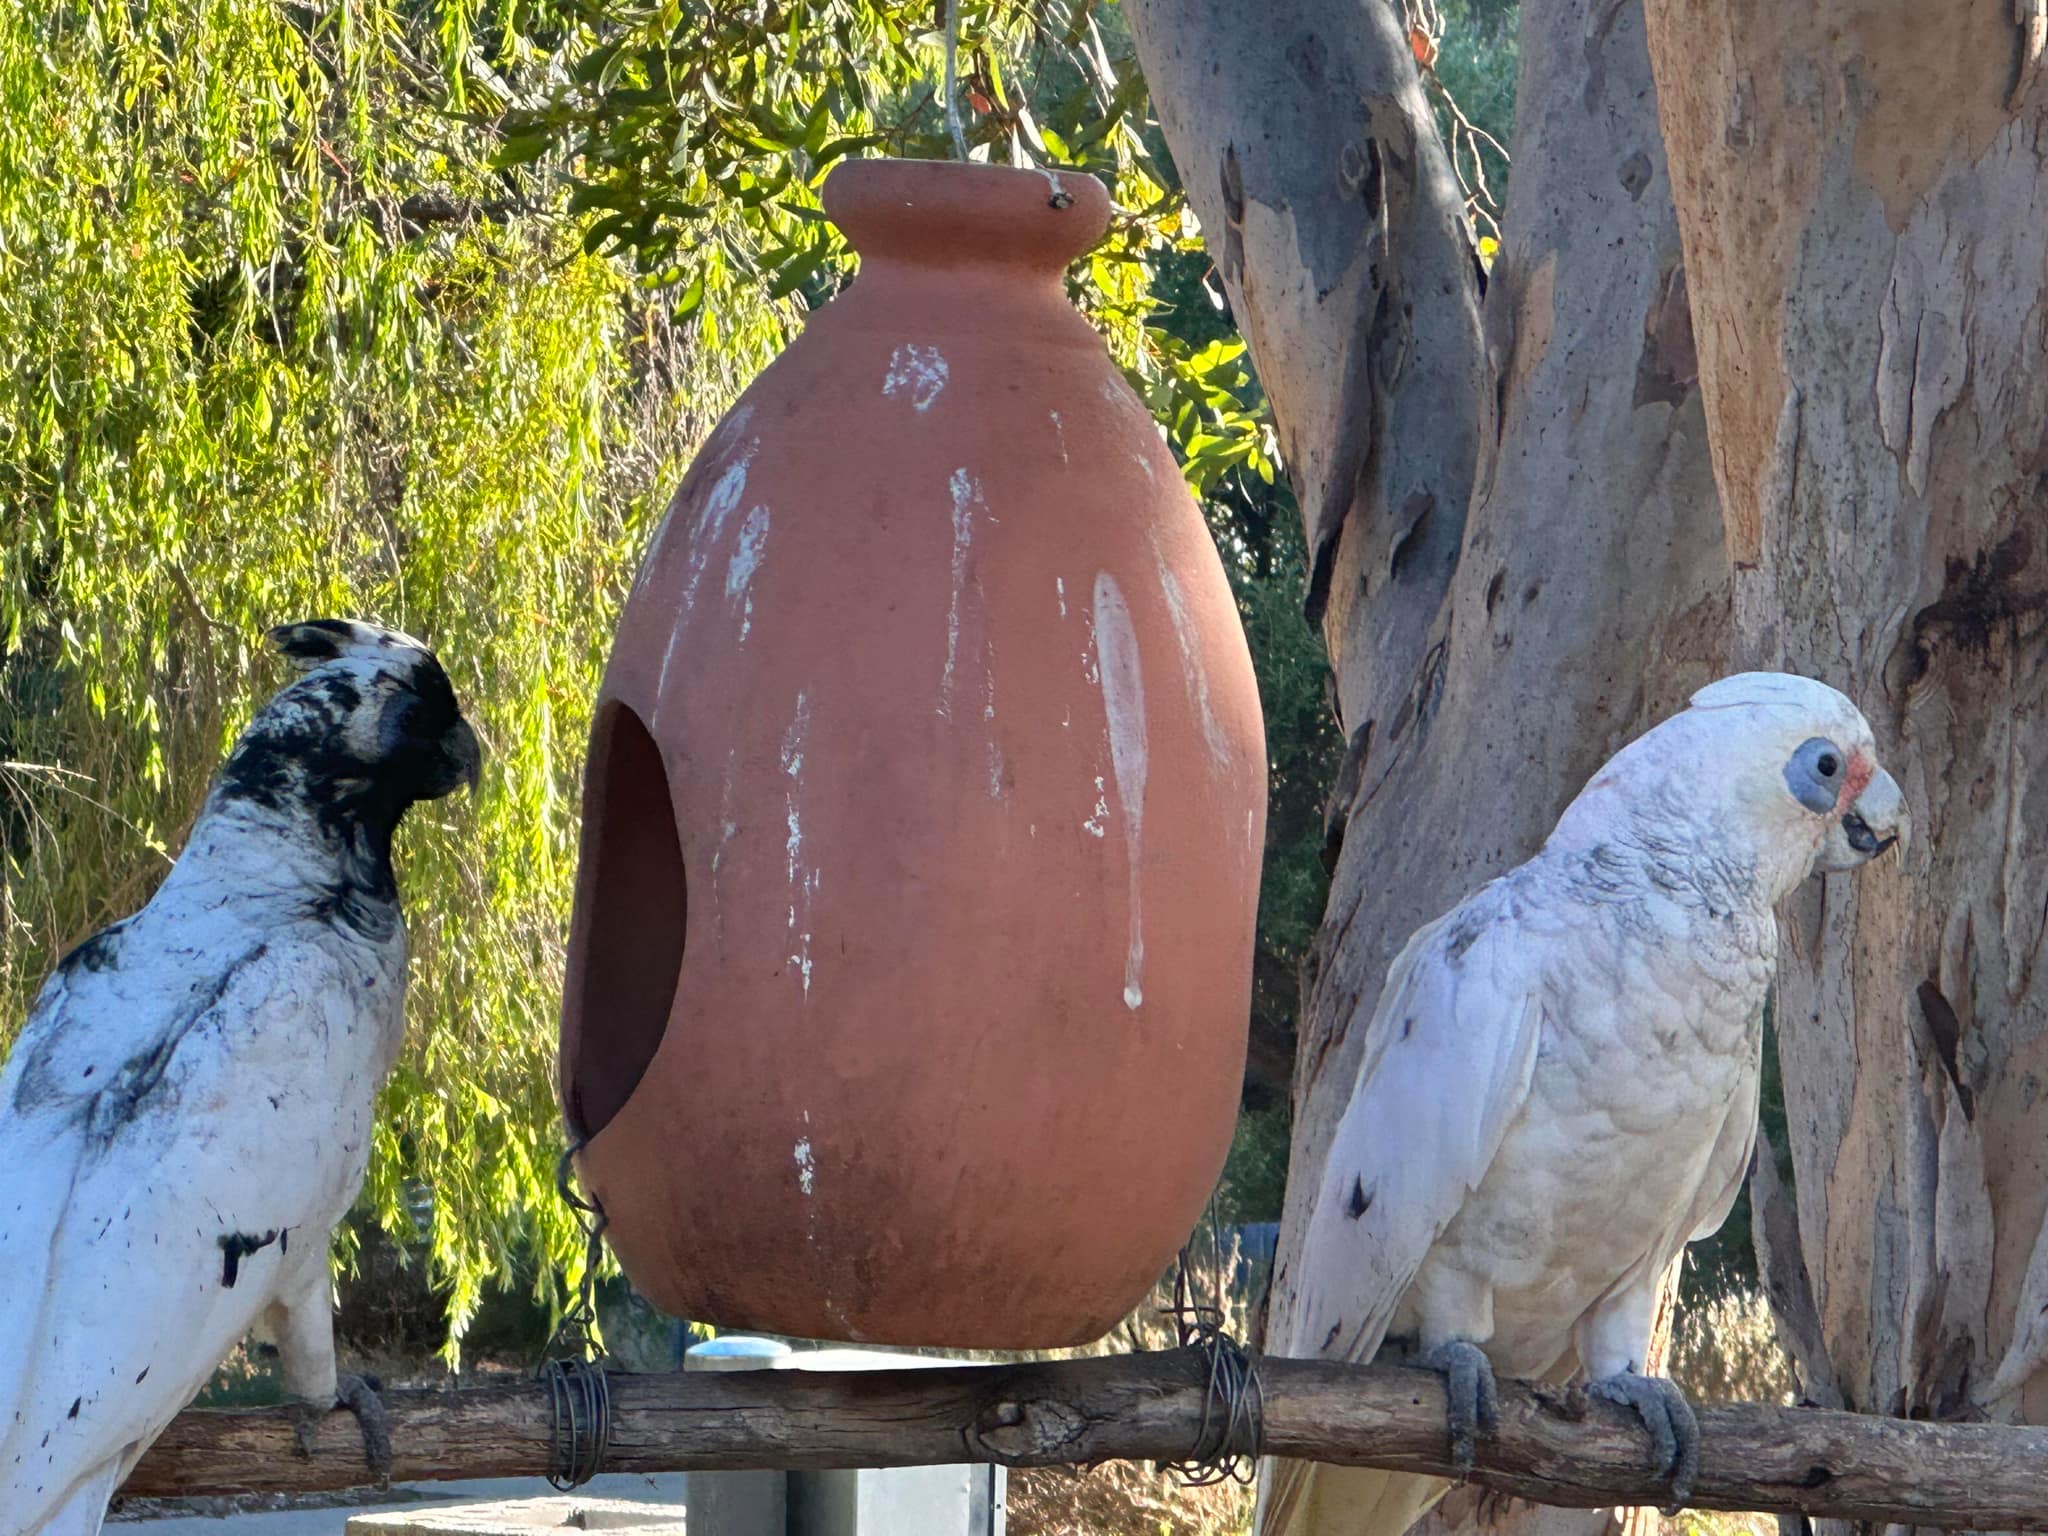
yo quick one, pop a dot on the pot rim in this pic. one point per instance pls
(948, 212)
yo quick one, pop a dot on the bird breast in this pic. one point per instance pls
(1647, 1049)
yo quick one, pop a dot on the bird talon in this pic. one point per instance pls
(306, 1419)
(1471, 1403)
(358, 1394)
(1674, 1431)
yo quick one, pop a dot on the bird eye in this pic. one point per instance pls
(1813, 773)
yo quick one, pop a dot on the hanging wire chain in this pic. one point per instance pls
(579, 1393)
(952, 79)
(1233, 1426)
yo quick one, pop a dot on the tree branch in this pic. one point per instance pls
(1554, 1446)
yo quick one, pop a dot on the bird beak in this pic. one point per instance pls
(1879, 817)
(1873, 823)
(466, 752)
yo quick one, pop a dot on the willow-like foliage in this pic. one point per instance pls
(281, 344)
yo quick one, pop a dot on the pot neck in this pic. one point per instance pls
(955, 296)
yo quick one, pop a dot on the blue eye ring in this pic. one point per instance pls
(1813, 774)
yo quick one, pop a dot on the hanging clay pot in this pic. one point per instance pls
(911, 961)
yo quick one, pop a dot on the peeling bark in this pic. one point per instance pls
(1866, 232)
(1328, 205)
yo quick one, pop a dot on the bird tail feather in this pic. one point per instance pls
(1306, 1498)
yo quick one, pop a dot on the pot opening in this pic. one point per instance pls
(940, 212)
(625, 978)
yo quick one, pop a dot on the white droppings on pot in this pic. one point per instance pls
(1123, 702)
(967, 499)
(1196, 673)
(918, 373)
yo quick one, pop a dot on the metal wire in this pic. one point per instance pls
(580, 1407)
(579, 1392)
(952, 79)
(1233, 1427)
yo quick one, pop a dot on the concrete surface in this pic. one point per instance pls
(664, 1490)
(558, 1516)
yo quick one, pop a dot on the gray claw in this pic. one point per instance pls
(1473, 1405)
(306, 1419)
(359, 1396)
(1669, 1418)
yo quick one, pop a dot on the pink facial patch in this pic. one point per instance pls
(1861, 771)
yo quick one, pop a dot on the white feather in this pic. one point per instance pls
(218, 1080)
(1559, 1087)
(187, 1112)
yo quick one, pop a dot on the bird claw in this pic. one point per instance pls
(358, 1394)
(1472, 1405)
(306, 1419)
(1669, 1418)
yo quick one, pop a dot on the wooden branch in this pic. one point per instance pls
(1554, 1446)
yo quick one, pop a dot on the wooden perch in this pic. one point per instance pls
(1554, 1446)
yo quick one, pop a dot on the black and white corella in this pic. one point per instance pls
(187, 1111)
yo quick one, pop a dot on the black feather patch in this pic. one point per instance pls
(140, 1076)
(314, 640)
(236, 1246)
(99, 953)
(1360, 1201)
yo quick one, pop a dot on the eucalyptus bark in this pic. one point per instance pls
(1329, 207)
(1497, 625)
(1864, 205)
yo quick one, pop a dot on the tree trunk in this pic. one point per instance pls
(1576, 585)
(1862, 194)
(1329, 208)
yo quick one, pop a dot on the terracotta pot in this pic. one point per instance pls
(911, 960)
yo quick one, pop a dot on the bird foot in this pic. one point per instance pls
(358, 1394)
(1472, 1405)
(1668, 1416)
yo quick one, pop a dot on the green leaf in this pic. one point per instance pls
(796, 272)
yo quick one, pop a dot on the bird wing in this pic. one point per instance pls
(138, 1139)
(1727, 1165)
(1448, 1059)
(45, 1089)
(1447, 1066)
